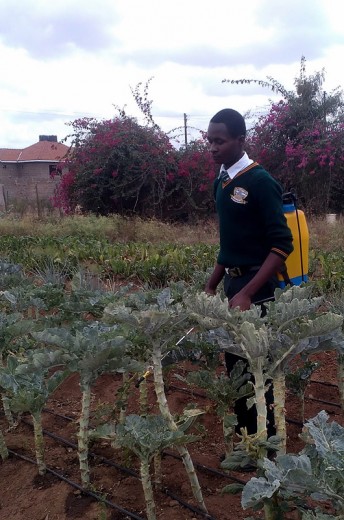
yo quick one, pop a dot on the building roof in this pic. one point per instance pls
(8, 154)
(41, 151)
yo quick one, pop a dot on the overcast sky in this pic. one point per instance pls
(67, 59)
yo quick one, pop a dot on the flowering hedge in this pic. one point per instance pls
(308, 158)
(119, 166)
(301, 140)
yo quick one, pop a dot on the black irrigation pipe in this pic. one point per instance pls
(206, 468)
(326, 383)
(292, 421)
(195, 510)
(191, 392)
(108, 462)
(187, 391)
(323, 402)
(80, 488)
(58, 414)
(127, 471)
(165, 452)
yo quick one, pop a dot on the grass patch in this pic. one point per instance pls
(113, 228)
(323, 236)
(326, 237)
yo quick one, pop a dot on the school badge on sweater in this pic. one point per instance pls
(239, 195)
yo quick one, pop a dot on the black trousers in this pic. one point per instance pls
(248, 418)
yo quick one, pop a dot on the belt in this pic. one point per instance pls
(234, 272)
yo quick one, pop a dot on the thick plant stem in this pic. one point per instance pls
(259, 387)
(272, 511)
(165, 412)
(83, 436)
(124, 397)
(157, 470)
(279, 409)
(39, 442)
(340, 372)
(302, 403)
(7, 411)
(147, 489)
(228, 434)
(3, 447)
(143, 399)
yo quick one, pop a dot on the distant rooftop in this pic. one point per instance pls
(47, 149)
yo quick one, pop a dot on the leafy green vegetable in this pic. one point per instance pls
(27, 388)
(318, 471)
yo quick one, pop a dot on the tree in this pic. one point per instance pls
(301, 139)
(120, 166)
(116, 166)
(191, 193)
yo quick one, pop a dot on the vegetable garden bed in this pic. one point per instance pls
(71, 353)
(26, 495)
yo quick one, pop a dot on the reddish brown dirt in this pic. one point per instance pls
(24, 495)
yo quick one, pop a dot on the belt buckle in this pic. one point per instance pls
(234, 271)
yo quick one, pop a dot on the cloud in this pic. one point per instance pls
(274, 35)
(81, 58)
(53, 30)
(283, 48)
(38, 117)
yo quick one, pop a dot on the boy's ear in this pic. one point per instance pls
(241, 139)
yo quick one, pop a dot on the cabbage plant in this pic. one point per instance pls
(298, 381)
(337, 305)
(293, 324)
(91, 351)
(224, 391)
(147, 437)
(317, 472)
(158, 325)
(12, 326)
(27, 388)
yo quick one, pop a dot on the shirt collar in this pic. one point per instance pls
(236, 168)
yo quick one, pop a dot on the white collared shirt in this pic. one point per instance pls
(237, 167)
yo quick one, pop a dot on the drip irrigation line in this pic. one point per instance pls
(189, 506)
(326, 383)
(187, 391)
(110, 463)
(191, 392)
(313, 381)
(127, 471)
(46, 410)
(292, 421)
(323, 402)
(206, 468)
(80, 488)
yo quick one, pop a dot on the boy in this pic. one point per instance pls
(255, 239)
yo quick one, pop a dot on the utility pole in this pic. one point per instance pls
(185, 130)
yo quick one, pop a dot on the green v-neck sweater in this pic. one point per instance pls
(251, 218)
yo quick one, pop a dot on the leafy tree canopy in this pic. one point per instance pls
(301, 139)
(120, 166)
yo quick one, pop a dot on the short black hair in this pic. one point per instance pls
(235, 123)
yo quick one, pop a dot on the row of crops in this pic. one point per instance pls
(57, 321)
(153, 264)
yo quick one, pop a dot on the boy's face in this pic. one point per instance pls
(225, 149)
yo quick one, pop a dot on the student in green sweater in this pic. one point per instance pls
(255, 239)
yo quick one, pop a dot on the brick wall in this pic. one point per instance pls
(20, 181)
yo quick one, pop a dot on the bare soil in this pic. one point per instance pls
(26, 495)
